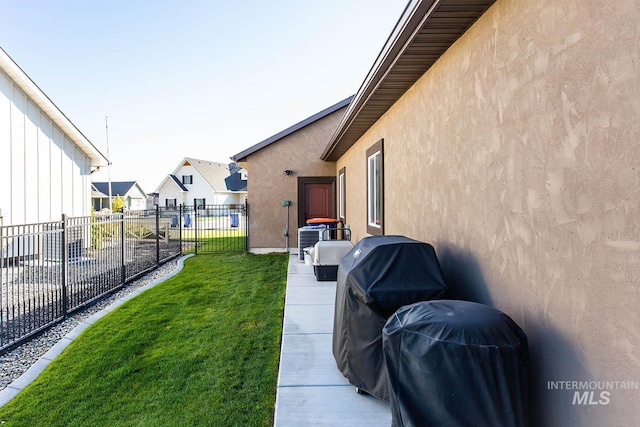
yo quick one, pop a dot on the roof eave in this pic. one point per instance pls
(31, 89)
(416, 16)
(241, 158)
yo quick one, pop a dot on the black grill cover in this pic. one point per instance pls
(455, 363)
(378, 276)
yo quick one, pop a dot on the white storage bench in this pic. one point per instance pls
(326, 257)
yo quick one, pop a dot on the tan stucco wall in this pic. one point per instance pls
(518, 157)
(268, 186)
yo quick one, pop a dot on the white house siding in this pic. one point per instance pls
(43, 174)
(44, 168)
(5, 134)
(56, 170)
(230, 198)
(170, 190)
(17, 147)
(136, 204)
(199, 189)
(136, 199)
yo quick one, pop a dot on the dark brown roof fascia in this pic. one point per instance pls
(242, 156)
(409, 52)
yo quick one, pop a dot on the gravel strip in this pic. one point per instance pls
(16, 362)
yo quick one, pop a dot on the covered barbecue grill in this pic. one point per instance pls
(455, 363)
(378, 276)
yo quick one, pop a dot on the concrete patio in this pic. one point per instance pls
(311, 389)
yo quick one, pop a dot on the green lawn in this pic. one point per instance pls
(225, 240)
(216, 244)
(190, 233)
(200, 349)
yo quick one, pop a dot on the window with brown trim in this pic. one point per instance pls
(375, 189)
(342, 195)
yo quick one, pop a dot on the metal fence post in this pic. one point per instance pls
(64, 243)
(246, 225)
(54, 270)
(195, 224)
(180, 237)
(180, 213)
(1, 249)
(158, 236)
(123, 273)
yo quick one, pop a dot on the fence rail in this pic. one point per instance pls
(215, 228)
(50, 270)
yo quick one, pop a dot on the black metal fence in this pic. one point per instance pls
(213, 228)
(50, 270)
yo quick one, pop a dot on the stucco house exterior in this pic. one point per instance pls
(515, 125)
(287, 168)
(197, 182)
(134, 196)
(45, 161)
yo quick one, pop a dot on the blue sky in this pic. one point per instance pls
(203, 79)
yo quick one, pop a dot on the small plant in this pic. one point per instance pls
(96, 231)
(118, 204)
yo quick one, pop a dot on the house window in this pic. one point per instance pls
(199, 203)
(375, 188)
(170, 203)
(342, 195)
(187, 179)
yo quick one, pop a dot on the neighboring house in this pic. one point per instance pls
(287, 167)
(153, 200)
(201, 182)
(507, 135)
(45, 161)
(134, 197)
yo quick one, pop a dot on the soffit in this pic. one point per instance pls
(421, 36)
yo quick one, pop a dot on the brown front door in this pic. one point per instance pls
(316, 198)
